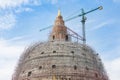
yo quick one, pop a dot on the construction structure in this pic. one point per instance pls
(60, 58)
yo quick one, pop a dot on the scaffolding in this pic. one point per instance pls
(66, 61)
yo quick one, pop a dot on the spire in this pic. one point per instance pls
(59, 32)
(59, 12)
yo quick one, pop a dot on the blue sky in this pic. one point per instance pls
(21, 20)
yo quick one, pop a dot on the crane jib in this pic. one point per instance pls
(90, 11)
(83, 13)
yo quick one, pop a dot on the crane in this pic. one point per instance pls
(82, 14)
(83, 20)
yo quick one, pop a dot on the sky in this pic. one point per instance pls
(21, 21)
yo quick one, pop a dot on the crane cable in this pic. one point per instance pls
(72, 14)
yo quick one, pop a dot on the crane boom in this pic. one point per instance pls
(46, 28)
(100, 8)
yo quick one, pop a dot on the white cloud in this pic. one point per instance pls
(9, 55)
(103, 24)
(17, 3)
(26, 9)
(6, 47)
(8, 17)
(111, 59)
(7, 68)
(11, 3)
(54, 1)
(116, 0)
(113, 68)
(7, 21)
(9, 8)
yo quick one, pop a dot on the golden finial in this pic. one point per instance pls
(59, 13)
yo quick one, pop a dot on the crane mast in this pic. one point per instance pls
(83, 27)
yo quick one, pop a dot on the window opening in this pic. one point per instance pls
(29, 73)
(75, 67)
(66, 37)
(96, 75)
(40, 67)
(72, 51)
(53, 37)
(53, 66)
(54, 51)
(42, 52)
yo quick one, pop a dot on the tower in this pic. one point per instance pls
(59, 59)
(59, 32)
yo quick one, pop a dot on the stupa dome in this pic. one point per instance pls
(59, 58)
